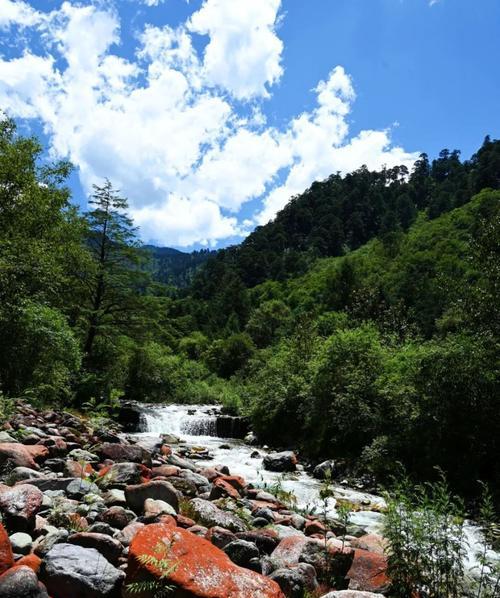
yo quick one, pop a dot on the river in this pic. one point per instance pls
(195, 425)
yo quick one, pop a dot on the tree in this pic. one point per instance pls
(116, 280)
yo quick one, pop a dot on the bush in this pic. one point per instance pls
(226, 356)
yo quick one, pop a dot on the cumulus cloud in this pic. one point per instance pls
(183, 134)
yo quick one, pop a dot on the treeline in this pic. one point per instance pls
(361, 325)
(176, 268)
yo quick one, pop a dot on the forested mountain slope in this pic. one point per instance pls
(176, 268)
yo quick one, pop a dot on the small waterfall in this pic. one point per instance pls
(180, 420)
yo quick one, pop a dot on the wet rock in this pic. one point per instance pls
(202, 571)
(6, 556)
(21, 582)
(70, 570)
(19, 506)
(110, 548)
(21, 543)
(284, 461)
(157, 490)
(297, 580)
(210, 515)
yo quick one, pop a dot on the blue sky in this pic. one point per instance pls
(210, 114)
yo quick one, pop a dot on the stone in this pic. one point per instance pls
(368, 572)
(220, 537)
(120, 474)
(44, 544)
(83, 456)
(324, 470)
(166, 471)
(334, 561)
(117, 517)
(351, 594)
(6, 556)
(78, 488)
(296, 581)
(181, 463)
(124, 453)
(201, 571)
(154, 508)
(127, 534)
(242, 552)
(21, 582)
(21, 543)
(370, 542)
(266, 540)
(222, 489)
(70, 570)
(157, 489)
(109, 547)
(210, 515)
(114, 497)
(284, 461)
(6, 437)
(19, 505)
(32, 561)
(19, 474)
(22, 455)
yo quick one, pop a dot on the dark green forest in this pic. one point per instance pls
(362, 324)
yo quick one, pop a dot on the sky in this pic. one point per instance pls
(209, 115)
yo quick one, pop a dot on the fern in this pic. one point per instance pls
(164, 568)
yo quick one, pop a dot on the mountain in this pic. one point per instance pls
(176, 268)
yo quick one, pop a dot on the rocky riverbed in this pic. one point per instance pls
(92, 513)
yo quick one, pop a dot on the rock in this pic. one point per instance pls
(70, 570)
(76, 469)
(182, 463)
(351, 594)
(155, 508)
(165, 471)
(126, 535)
(265, 540)
(186, 487)
(124, 453)
(284, 461)
(370, 542)
(21, 582)
(6, 556)
(45, 544)
(202, 571)
(157, 489)
(314, 527)
(333, 562)
(52, 484)
(210, 515)
(19, 506)
(19, 474)
(21, 543)
(297, 580)
(324, 470)
(221, 489)
(220, 537)
(110, 548)
(22, 455)
(114, 497)
(122, 474)
(78, 488)
(242, 552)
(117, 517)
(368, 572)
(6, 437)
(83, 456)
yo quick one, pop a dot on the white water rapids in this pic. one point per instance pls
(195, 425)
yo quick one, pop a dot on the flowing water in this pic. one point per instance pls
(196, 425)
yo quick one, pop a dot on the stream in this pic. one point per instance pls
(196, 425)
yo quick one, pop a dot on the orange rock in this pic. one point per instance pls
(368, 572)
(23, 455)
(221, 488)
(370, 542)
(165, 471)
(6, 557)
(78, 470)
(236, 481)
(201, 569)
(166, 450)
(32, 561)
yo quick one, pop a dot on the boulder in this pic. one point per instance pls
(155, 508)
(6, 556)
(370, 542)
(70, 570)
(368, 572)
(110, 548)
(126, 535)
(324, 469)
(117, 517)
(22, 455)
(157, 489)
(124, 453)
(266, 540)
(21, 543)
(296, 581)
(32, 561)
(219, 536)
(19, 474)
(19, 505)
(201, 569)
(210, 515)
(120, 474)
(242, 552)
(21, 582)
(284, 461)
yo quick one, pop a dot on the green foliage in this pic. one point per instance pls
(163, 566)
(268, 322)
(425, 535)
(226, 356)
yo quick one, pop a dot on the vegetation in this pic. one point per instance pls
(361, 324)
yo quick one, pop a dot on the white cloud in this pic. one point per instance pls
(153, 2)
(17, 13)
(166, 125)
(243, 55)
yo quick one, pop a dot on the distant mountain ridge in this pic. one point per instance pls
(174, 267)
